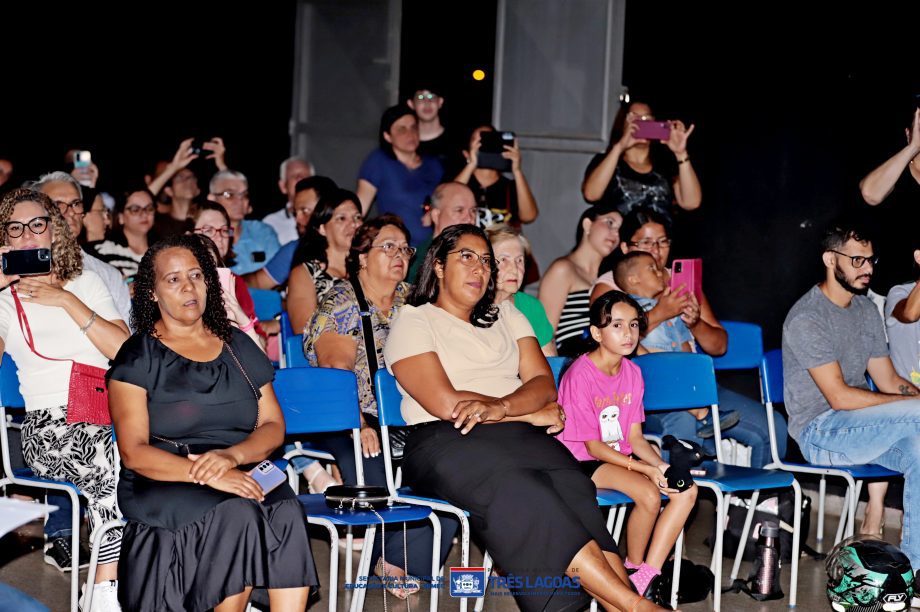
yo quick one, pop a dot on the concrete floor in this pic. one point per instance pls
(23, 567)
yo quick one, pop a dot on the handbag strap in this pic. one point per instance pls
(255, 392)
(26, 329)
(370, 346)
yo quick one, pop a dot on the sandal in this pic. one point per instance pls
(320, 480)
(398, 586)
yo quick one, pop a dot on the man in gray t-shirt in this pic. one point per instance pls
(832, 336)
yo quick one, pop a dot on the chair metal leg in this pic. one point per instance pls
(349, 553)
(716, 564)
(487, 564)
(845, 526)
(796, 542)
(748, 519)
(364, 567)
(822, 493)
(333, 559)
(101, 530)
(435, 558)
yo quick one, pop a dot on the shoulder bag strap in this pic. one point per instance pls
(370, 347)
(26, 330)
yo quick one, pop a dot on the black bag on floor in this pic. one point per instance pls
(696, 583)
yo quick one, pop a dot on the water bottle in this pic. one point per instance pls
(766, 580)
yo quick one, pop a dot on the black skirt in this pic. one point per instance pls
(238, 543)
(528, 499)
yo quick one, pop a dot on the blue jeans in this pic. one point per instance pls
(888, 434)
(58, 525)
(751, 429)
(14, 599)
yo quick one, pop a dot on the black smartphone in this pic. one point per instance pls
(26, 262)
(492, 145)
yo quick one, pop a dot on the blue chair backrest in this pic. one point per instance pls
(286, 330)
(557, 364)
(771, 377)
(745, 347)
(677, 381)
(267, 303)
(293, 352)
(389, 400)
(10, 397)
(316, 400)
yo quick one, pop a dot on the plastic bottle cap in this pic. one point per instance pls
(769, 530)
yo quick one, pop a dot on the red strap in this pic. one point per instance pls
(27, 331)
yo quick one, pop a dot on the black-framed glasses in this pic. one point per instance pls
(390, 249)
(858, 261)
(75, 206)
(469, 258)
(425, 97)
(37, 225)
(647, 244)
(210, 232)
(137, 210)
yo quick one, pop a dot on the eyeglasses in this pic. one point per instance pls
(232, 195)
(425, 97)
(858, 261)
(469, 258)
(75, 206)
(390, 249)
(15, 229)
(136, 210)
(210, 232)
(647, 244)
(102, 211)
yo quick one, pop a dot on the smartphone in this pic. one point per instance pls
(491, 147)
(688, 272)
(268, 476)
(26, 262)
(82, 159)
(653, 130)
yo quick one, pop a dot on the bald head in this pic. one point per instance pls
(452, 204)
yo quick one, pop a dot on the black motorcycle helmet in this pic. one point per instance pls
(867, 574)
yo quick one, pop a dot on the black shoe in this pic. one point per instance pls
(653, 593)
(57, 553)
(727, 420)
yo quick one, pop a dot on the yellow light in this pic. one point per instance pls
(479, 75)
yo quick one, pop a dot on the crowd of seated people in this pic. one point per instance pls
(440, 277)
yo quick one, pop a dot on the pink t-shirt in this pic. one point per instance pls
(600, 407)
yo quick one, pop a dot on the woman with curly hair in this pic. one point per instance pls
(193, 406)
(72, 316)
(479, 390)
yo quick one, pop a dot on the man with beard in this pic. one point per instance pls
(832, 336)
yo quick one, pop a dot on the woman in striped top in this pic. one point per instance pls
(565, 288)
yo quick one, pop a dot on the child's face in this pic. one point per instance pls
(648, 278)
(621, 335)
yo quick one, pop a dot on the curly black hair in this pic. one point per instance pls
(145, 312)
(485, 313)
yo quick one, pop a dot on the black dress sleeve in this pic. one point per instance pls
(252, 358)
(133, 363)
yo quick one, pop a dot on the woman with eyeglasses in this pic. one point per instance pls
(630, 175)
(72, 316)
(96, 221)
(130, 236)
(483, 402)
(212, 221)
(320, 256)
(378, 260)
(565, 287)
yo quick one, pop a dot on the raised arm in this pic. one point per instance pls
(365, 193)
(527, 204)
(908, 310)
(687, 190)
(182, 158)
(878, 184)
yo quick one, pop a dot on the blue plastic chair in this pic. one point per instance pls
(745, 347)
(677, 381)
(318, 400)
(771, 381)
(293, 352)
(11, 398)
(267, 303)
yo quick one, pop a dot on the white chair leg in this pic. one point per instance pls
(796, 541)
(745, 530)
(96, 537)
(435, 557)
(822, 492)
(75, 554)
(364, 567)
(487, 565)
(349, 553)
(716, 563)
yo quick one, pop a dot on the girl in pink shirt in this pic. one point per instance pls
(601, 394)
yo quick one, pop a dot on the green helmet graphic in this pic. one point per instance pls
(866, 574)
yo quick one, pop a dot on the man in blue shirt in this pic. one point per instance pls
(254, 242)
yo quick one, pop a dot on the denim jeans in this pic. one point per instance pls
(888, 435)
(58, 524)
(751, 429)
(14, 599)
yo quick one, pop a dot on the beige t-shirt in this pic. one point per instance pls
(481, 359)
(43, 383)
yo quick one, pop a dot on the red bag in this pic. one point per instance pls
(87, 397)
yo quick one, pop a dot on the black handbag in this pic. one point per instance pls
(356, 497)
(398, 435)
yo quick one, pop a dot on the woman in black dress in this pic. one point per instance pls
(194, 410)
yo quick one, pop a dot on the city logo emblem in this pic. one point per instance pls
(467, 581)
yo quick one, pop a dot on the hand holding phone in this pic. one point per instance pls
(652, 130)
(688, 272)
(26, 262)
(268, 476)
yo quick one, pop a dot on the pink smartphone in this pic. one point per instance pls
(688, 272)
(268, 476)
(226, 280)
(653, 130)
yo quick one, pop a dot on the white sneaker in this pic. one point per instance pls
(105, 597)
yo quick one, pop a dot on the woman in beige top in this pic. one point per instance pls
(481, 394)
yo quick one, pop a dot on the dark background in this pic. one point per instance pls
(792, 105)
